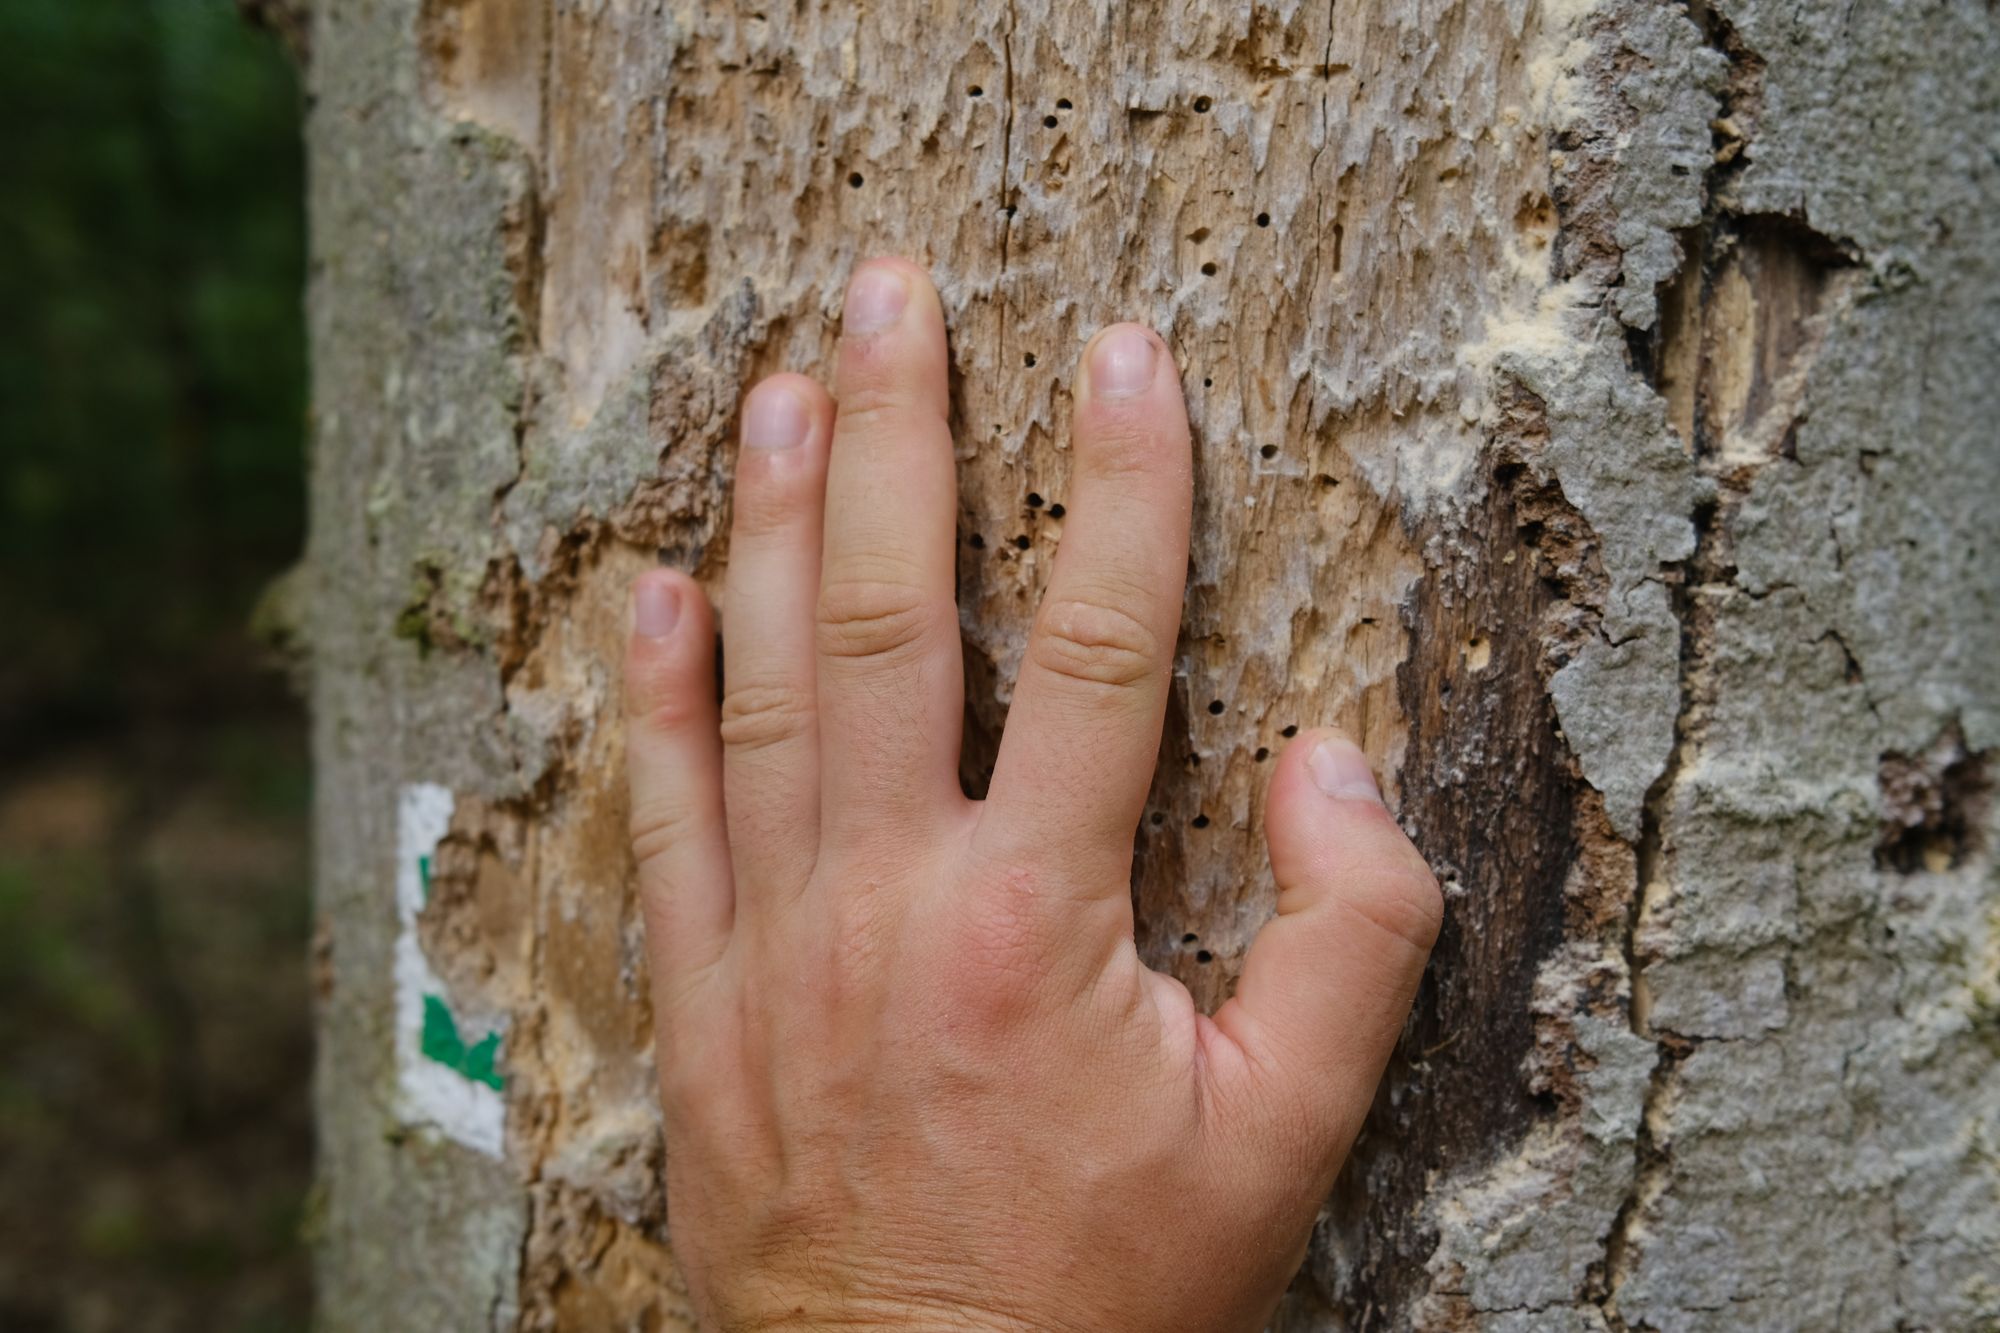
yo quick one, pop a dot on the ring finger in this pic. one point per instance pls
(770, 730)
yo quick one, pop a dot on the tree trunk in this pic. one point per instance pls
(1594, 409)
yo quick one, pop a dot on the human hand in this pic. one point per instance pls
(914, 1072)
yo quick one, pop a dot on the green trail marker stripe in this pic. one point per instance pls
(442, 1043)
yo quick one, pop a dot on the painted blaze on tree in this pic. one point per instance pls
(1592, 416)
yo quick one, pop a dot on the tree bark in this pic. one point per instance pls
(1593, 408)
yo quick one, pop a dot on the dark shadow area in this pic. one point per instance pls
(155, 1046)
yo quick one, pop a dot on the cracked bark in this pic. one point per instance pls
(1591, 416)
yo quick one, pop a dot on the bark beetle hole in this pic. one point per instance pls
(1049, 122)
(1034, 500)
(854, 179)
(1328, 481)
(1201, 821)
(975, 91)
(1056, 511)
(1021, 542)
(1201, 105)
(1062, 104)
(1207, 383)
(1215, 707)
(1290, 731)
(1263, 219)
(1190, 938)
(1029, 360)
(1262, 754)
(977, 542)
(1208, 269)
(1203, 956)
(1159, 818)
(1269, 451)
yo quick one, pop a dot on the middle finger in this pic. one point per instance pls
(890, 671)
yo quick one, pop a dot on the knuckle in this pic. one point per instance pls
(998, 955)
(869, 618)
(682, 1088)
(658, 826)
(757, 716)
(701, 1077)
(1124, 445)
(1091, 641)
(678, 993)
(877, 399)
(661, 699)
(1400, 898)
(766, 505)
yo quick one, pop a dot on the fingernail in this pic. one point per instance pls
(875, 299)
(656, 607)
(775, 418)
(1121, 364)
(1341, 771)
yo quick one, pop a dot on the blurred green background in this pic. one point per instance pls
(154, 1036)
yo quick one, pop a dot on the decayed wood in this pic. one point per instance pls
(1529, 348)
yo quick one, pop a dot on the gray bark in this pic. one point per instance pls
(1594, 407)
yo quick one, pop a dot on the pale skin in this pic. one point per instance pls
(914, 1072)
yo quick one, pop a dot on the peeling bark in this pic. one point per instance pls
(1592, 415)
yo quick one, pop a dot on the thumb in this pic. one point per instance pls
(1328, 981)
